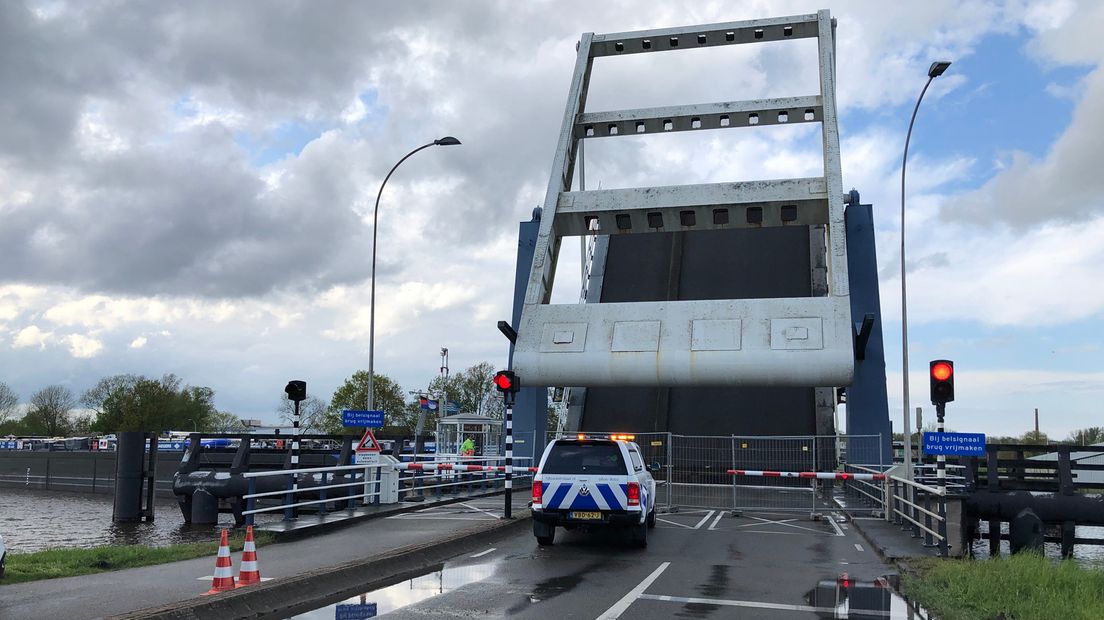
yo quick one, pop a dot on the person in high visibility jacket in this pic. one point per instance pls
(468, 447)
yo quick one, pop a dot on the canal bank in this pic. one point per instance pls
(301, 569)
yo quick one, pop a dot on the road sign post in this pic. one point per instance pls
(367, 453)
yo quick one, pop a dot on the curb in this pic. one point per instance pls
(285, 597)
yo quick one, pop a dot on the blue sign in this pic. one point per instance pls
(9, 445)
(955, 444)
(354, 612)
(373, 419)
(452, 407)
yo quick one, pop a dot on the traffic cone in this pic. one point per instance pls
(249, 573)
(224, 569)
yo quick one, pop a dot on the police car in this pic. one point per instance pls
(593, 481)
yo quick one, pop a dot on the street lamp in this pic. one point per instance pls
(446, 141)
(935, 70)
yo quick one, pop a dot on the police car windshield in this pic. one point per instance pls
(575, 457)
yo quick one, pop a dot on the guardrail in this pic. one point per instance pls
(872, 490)
(903, 498)
(292, 491)
(438, 472)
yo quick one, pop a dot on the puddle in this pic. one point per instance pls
(385, 600)
(843, 597)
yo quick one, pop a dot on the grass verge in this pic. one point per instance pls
(53, 563)
(1022, 587)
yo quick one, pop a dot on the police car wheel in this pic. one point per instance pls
(546, 541)
(640, 535)
(652, 518)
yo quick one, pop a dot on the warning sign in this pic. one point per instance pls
(368, 450)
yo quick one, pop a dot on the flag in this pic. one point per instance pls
(427, 403)
(452, 407)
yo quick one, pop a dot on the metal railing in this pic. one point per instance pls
(911, 507)
(425, 474)
(291, 492)
(870, 493)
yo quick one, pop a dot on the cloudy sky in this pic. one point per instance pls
(187, 187)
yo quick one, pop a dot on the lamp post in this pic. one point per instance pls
(935, 70)
(446, 141)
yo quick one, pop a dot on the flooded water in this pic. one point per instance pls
(844, 598)
(36, 520)
(391, 598)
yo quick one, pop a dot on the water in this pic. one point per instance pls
(385, 600)
(1088, 556)
(34, 520)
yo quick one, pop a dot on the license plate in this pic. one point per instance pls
(586, 516)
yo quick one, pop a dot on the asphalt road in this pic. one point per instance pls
(698, 564)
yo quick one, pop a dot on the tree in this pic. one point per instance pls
(49, 413)
(472, 388)
(353, 394)
(313, 416)
(9, 400)
(135, 403)
(1035, 437)
(223, 422)
(1087, 436)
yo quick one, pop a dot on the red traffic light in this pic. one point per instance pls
(506, 381)
(941, 371)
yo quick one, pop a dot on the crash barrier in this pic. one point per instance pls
(691, 471)
(389, 481)
(921, 508)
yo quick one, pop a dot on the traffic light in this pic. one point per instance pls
(506, 381)
(942, 381)
(296, 390)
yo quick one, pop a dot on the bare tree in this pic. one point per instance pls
(312, 415)
(49, 413)
(1087, 436)
(9, 400)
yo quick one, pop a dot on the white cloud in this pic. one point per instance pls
(31, 336)
(138, 342)
(81, 346)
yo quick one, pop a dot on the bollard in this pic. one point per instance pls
(1025, 532)
(204, 507)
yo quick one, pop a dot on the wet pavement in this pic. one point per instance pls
(699, 564)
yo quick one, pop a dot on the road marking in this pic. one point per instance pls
(730, 603)
(673, 523)
(479, 509)
(836, 527)
(620, 606)
(431, 518)
(713, 526)
(787, 524)
(704, 519)
(859, 547)
(483, 553)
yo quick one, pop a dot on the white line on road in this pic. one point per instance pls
(713, 526)
(483, 553)
(859, 547)
(413, 517)
(673, 523)
(495, 515)
(719, 601)
(620, 606)
(836, 526)
(704, 519)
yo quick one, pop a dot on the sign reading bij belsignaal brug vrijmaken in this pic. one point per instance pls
(955, 444)
(372, 419)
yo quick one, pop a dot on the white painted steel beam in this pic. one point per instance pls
(690, 37)
(742, 342)
(711, 206)
(750, 113)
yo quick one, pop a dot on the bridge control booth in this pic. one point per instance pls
(486, 432)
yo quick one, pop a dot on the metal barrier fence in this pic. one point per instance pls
(920, 507)
(694, 470)
(345, 487)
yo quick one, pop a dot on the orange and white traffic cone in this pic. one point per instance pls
(249, 574)
(224, 570)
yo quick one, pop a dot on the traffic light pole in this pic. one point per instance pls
(941, 477)
(508, 399)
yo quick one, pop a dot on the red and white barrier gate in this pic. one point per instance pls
(819, 475)
(457, 467)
